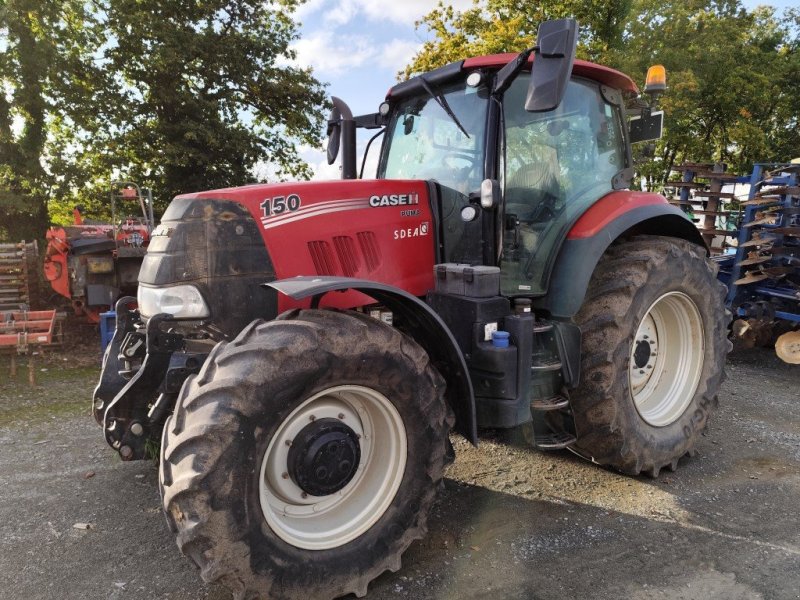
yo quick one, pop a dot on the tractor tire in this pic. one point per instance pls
(304, 458)
(654, 329)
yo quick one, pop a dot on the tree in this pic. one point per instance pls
(732, 74)
(46, 67)
(207, 92)
(178, 96)
(511, 25)
(726, 78)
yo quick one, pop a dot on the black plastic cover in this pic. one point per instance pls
(215, 245)
(435, 78)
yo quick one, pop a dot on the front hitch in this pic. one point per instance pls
(131, 405)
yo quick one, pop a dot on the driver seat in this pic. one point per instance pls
(533, 190)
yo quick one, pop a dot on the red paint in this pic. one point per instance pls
(336, 225)
(610, 207)
(580, 68)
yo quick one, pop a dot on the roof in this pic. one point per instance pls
(606, 75)
(581, 68)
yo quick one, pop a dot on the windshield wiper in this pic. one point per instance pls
(442, 101)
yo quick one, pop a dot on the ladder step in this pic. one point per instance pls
(553, 403)
(546, 367)
(553, 441)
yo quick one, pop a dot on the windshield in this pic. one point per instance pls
(556, 165)
(423, 141)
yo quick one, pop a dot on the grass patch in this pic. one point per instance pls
(59, 392)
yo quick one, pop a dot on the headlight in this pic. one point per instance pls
(181, 301)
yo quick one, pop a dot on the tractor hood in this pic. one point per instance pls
(228, 242)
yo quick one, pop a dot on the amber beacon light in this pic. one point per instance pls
(656, 80)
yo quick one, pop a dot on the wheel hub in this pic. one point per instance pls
(666, 359)
(324, 457)
(324, 479)
(644, 354)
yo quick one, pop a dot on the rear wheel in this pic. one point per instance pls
(654, 343)
(304, 458)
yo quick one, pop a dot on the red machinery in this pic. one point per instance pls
(92, 264)
(21, 327)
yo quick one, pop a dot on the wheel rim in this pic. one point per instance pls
(319, 522)
(666, 359)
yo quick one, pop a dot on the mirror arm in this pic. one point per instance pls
(370, 121)
(507, 75)
(366, 151)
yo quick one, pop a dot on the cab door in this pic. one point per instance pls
(554, 166)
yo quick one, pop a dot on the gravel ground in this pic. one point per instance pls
(511, 523)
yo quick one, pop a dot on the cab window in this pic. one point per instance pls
(556, 165)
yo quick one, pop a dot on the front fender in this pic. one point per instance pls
(418, 321)
(589, 239)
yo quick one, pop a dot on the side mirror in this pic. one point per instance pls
(334, 135)
(552, 64)
(649, 126)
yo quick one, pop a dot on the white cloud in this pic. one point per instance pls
(405, 12)
(397, 54)
(342, 13)
(333, 55)
(323, 171)
(308, 8)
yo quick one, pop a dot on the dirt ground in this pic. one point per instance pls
(510, 524)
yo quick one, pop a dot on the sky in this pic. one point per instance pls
(358, 46)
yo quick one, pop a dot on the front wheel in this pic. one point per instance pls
(304, 458)
(654, 329)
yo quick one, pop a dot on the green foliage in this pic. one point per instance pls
(733, 76)
(496, 26)
(205, 95)
(45, 66)
(177, 96)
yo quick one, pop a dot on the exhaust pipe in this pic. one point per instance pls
(342, 127)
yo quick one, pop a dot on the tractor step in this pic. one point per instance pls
(553, 441)
(553, 403)
(546, 367)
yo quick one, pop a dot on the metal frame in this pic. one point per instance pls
(731, 271)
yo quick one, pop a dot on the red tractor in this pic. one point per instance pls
(302, 351)
(92, 263)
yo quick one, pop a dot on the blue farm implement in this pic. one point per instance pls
(755, 239)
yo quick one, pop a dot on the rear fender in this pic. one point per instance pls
(418, 321)
(588, 240)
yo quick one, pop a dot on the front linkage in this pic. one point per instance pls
(144, 368)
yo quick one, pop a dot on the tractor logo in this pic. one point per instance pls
(393, 200)
(411, 232)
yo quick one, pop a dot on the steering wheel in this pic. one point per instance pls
(452, 159)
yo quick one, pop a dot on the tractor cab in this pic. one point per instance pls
(548, 167)
(517, 149)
